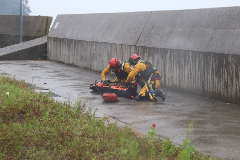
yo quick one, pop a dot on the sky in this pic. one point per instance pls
(54, 7)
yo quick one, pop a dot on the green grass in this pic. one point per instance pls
(34, 126)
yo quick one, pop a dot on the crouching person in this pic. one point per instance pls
(120, 68)
(147, 76)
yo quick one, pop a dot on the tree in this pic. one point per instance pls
(12, 7)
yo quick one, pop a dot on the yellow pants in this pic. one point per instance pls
(150, 85)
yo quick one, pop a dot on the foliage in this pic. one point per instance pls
(12, 7)
(34, 126)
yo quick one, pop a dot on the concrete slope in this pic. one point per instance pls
(29, 50)
(33, 27)
(118, 28)
(206, 30)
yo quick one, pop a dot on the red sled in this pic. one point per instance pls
(110, 97)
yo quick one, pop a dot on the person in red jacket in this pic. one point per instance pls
(120, 68)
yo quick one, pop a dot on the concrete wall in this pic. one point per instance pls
(207, 30)
(29, 50)
(91, 40)
(33, 27)
(196, 51)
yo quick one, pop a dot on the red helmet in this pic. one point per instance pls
(114, 63)
(134, 59)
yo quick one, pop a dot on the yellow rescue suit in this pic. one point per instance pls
(148, 77)
(121, 72)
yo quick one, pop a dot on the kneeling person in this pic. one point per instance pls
(147, 76)
(120, 68)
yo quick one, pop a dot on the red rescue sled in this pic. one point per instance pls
(111, 90)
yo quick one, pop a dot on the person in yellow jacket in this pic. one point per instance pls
(120, 68)
(147, 76)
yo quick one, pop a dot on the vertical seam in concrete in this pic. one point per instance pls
(46, 26)
(143, 28)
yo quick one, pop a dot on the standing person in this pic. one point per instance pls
(147, 76)
(120, 68)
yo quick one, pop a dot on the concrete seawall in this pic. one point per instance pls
(29, 50)
(196, 51)
(33, 27)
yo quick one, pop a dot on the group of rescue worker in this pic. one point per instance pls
(142, 73)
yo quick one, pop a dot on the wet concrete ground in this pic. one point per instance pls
(216, 128)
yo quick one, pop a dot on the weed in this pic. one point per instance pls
(44, 56)
(186, 142)
(34, 126)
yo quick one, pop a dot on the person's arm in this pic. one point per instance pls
(116, 80)
(138, 68)
(105, 72)
(126, 68)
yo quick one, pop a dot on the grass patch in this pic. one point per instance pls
(34, 126)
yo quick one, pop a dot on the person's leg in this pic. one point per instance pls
(142, 94)
(150, 86)
(159, 92)
(157, 84)
(147, 91)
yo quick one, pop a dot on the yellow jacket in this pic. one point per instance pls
(139, 68)
(121, 73)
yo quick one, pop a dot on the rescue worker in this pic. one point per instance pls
(120, 68)
(147, 76)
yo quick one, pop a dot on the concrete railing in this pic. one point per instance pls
(196, 51)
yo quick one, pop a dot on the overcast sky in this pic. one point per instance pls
(55, 7)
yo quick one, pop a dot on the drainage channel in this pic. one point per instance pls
(47, 92)
(51, 94)
(3, 74)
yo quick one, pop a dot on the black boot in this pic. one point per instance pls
(137, 98)
(160, 93)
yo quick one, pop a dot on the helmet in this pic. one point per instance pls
(134, 59)
(114, 63)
